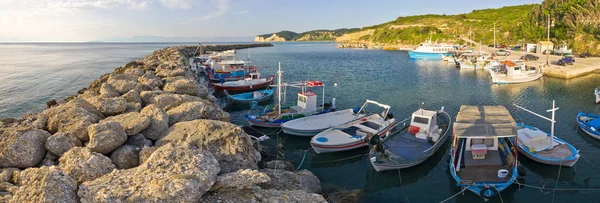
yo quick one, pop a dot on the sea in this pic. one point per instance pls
(33, 73)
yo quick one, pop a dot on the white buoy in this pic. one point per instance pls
(334, 84)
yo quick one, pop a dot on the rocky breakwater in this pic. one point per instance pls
(147, 132)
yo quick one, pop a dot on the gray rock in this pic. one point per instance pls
(109, 106)
(60, 143)
(106, 137)
(126, 156)
(227, 142)
(50, 155)
(133, 123)
(286, 180)
(84, 165)
(174, 173)
(41, 122)
(197, 110)
(73, 117)
(241, 179)
(6, 174)
(166, 100)
(134, 71)
(145, 153)
(134, 103)
(139, 140)
(150, 79)
(22, 148)
(47, 162)
(45, 184)
(186, 86)
(159, 122)
(172, 71)
(278, 164)
(260, 195)
(123, 83)
(108, 91)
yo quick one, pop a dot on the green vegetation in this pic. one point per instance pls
(314, 35)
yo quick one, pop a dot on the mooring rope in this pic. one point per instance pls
(557, 178)
(451, 197)
(557, 189)
(588, 161)
(303, 158)
(401, 185)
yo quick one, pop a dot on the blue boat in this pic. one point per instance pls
(481, 157)
(589, 123)
(429, 50)
(249, 97)
(425, 55)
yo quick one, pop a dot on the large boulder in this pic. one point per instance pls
(60, 142)
(227, 142)
(107, 90)
(126, 156)
(145, 153)
(186, 86)
(134, 71)
(133, 123)
(241, 179)
(197, 110)
(259, 195)
(22, 148)
(106, 137)
(73, 117)
(84, 165)
(150, 79)
(287, 180)
(166, 100)
(172, 71)
(159, 122)
(45, 184)
(278, 164)
(174, 173)
(109, 106)
(134, 103)
(123, 83)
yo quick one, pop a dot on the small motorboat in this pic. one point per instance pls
(544, 147)
(312, 125)
(597, 94)
(427, 132)
(508, 72)
(481, 158)
(356, 133)
(254, 82)
(249, 97)
(589, 123)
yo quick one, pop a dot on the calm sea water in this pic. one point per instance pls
(31, 74)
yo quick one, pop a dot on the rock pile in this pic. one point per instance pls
(148, 132)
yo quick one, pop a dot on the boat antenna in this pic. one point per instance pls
(279, 88)
(552, 120)
(422, 103)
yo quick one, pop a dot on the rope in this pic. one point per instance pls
(557, 178)
(451, 197)
(401, 185)
(587, 160)
(499, 195)
(557, 189)
(304, 157)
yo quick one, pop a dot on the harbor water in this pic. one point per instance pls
(34, 73)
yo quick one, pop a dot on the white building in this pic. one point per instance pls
(543, 46)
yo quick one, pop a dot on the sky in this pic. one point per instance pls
(195, 20)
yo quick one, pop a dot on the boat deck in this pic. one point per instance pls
(483, 174)
(558, 152)
(407, 146)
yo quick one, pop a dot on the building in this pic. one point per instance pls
(530, 48)
(543, 46)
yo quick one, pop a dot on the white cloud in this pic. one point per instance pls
(221, 7)
(179, 4)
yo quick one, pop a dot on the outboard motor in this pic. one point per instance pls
(389, 116)
(375, 141)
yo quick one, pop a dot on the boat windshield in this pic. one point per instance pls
(421, 120)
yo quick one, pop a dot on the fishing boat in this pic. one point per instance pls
(429, 50)
(597, 94)
(229, 70)
(508, 72)
(312, 125)
(356, 133)
(249, 97)
(544, 147)
(278, 114)
(427, 132)
(252, 83)
(589, 123)
(481, 158)
(481, 61)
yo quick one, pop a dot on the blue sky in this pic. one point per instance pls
(92, 20)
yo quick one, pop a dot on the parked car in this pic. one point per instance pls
(565, 61)
(502, 52)
(570, 56)
(529, 57)
(516, 48)
(501, 46)
(490, 45)
(548, 51)
(585, 55)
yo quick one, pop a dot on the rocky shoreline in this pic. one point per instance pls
(147, 132)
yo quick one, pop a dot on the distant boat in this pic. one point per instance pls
(312, 125)
(356, 133)
(544, 147)
(597, 94)
(249, 97)
(228, 70)
(589, 123)
(254, 82)
(477, 62)
(427, 132)
(481, 159)
(429, 50)
(508, 72)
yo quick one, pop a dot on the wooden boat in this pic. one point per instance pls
(481, 158)
(306, 105)
(544, 147)
(228, 70)
(427, 132)
(508, 72)
(597, 95)
(589, 123)
(249, 84)
(249, 97)
(356, 133)
(312, 125)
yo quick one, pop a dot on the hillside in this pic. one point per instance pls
(314, 35)
(477, 25)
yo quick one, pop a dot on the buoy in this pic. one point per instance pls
(334, 84)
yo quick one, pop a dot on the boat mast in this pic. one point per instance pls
(548, 52)
(553, 110)
(279, 89)
(495, 35)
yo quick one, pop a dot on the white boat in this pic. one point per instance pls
(356, 133)
(563, 50)
(478, 62)
(312, 125)
(429, 50)
(427, 132)
(508, 72)
(597, 94)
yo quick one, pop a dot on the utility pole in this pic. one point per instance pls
(547, 51)
(495, 35)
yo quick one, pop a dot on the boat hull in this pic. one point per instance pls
(423, 55)
(530, 156)
(235, 100)
(263, 124)
(326, 121)
(386, 167)
(585, 128)
(569, 162)
(243, 88)
(323, 148)
(498, 79)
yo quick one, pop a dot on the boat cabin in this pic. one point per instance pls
(423, 123)
(307, 102)
(227, 65)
